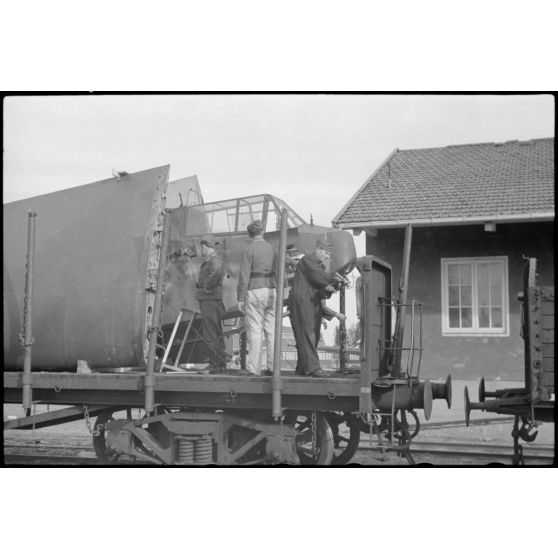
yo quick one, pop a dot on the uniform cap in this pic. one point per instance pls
(324, 244)
(208, 240)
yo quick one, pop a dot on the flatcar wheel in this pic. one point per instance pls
(346, 437)
(99, 438)
(317, 451)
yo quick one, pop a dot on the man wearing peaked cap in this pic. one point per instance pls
(311, 284)
(208, 240)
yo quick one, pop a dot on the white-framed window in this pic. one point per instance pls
(475, 296)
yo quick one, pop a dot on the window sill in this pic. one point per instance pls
(475, 334)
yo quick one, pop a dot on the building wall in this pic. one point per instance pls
(467, 357)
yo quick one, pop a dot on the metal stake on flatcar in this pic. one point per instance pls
(27, 339)
(276, 381)
(156, 319)
(342, 331)
(395, 364)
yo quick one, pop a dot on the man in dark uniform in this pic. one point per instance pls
(210, 296)
(311, 284)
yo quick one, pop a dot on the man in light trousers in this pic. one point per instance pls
(256, 297)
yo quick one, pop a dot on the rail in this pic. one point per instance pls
(437, 453)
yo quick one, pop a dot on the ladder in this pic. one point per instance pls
(182, 344)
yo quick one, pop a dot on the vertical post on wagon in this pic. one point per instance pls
(243, 349)
(27, 339)
(400, 322)
(156, 319)
(342, 331)
(276, 380)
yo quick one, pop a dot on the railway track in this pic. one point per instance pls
(76, 450)
(55, 455)
(436, 453)
(464, 454)
(488, 450)
(459, 448)
(51, 460)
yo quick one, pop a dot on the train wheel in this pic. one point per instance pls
(314, 444)
(99, 437)
(346, 437)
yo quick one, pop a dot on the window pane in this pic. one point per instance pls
(482, 293)
(495, 295)
(466, 317)
(466, 296)
(196, 221)
(495, 274)
(465, 274)
(244, 219)
(453, 298)
(497, 317)
(482, 274)
(453, 274)
(484, 317)
(247, 213)
(454, 317)
(219, 222)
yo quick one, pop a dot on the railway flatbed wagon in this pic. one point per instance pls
(118, 338)
(226, 391)
(321, 419)
(230, 413)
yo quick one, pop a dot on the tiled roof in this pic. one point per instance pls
(461, 181)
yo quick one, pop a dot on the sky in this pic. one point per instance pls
(312, 151)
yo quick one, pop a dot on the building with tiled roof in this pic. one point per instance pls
(476, 211)
(496, 182)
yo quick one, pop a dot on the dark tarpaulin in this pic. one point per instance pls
(91, 267)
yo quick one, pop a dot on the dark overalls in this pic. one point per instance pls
(210, 297)
(305, 310)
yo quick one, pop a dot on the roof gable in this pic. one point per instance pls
(455, 182)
